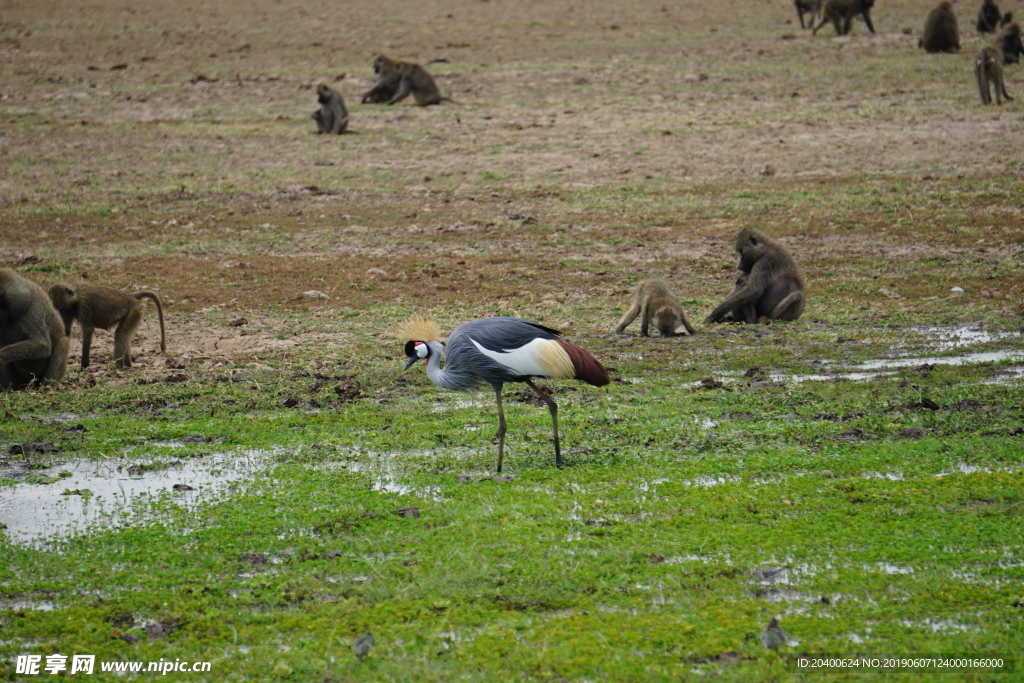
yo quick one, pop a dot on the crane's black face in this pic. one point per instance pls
(416, 350)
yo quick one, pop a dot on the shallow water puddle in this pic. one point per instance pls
(959, 336)
(938, 339)
(382, 469)
(966, 359)
(99, 493)
(939, 625)
(23, 605)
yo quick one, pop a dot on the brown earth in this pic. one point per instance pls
(168, 146)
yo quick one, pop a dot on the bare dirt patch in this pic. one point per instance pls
(169, 148)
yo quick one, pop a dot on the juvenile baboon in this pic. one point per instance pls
(402, 79)
(988, 17)
(988, 68)
(104, 307)
(332, 117)
(841, 14)
(941, 32)
(812, 7)
(33, 344)
(1007, 18)
(774, 285)
(1010, 44)
(655, 302)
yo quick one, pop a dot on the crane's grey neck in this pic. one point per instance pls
(440, 377)
(448, 378)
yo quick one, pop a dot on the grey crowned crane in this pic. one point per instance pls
(496, 351)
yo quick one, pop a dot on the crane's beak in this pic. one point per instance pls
(412, 360)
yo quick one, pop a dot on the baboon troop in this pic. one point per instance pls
(988, 17)
(33, 344)
(988, 69)
(1010, 44)
(655, 303)
(841, 13)
(332, 117)
(396, 80)
(941, 32)
(104, 307)
(774, 287)
(811, 7)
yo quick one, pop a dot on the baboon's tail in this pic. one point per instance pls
(160, 313)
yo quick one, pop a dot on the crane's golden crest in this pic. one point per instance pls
(418, 329)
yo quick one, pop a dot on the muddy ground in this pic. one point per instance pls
(168, 146)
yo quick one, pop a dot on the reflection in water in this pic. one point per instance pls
(35, 511)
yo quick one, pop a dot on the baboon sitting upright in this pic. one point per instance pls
(812, 7)
(988, 68)
(1010, 44)
(332, 117)
(841, 14)
(655, 302)
(774, 286)
(988, 17)
(941, 32)
(104, 307)
(33, 344)
(402, 79)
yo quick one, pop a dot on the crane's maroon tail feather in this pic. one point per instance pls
(588, 368)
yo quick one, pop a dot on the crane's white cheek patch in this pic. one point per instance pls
(539, 358)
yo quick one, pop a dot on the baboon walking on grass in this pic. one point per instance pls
(841, 14)
(104, 307)
(811, 7)
(988, 69)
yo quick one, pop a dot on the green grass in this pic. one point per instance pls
(899, 524)
(632, 563)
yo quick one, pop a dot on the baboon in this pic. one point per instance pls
(774, 286)
(812, 7)
(104, 307)
(1007, 18)
(744, 314)
(988, 17)
(988, 68)
(387, 81)
(655, 302)
(332, 117)
(841, 14)
(1010, 44)
(33, 344)
(396, 80)
(941, 33)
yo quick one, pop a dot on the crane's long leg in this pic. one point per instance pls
(501, 427)
(553, 407)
